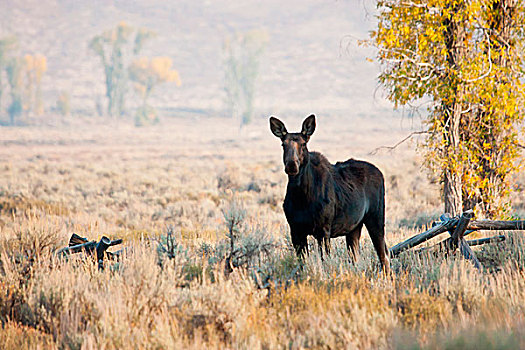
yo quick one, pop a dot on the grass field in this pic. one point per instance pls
(187, 175)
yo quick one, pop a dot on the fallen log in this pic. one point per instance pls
(88, 247)
(481, 241)
(98, 249)
(441, 227)
(76, 240)
(477, 225)
(442, 246)
(468, 254)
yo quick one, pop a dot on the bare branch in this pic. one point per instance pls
(486, 74)
(411, 4)
(391, 148)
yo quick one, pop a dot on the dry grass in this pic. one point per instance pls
(134, 183)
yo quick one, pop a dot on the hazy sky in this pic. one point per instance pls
(312, 62)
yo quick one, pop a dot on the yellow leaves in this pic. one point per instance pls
(146, 73)
(35, 66)
(28, 62)
(431, 33)
(40, 63)
(161, 66)
(174, 77)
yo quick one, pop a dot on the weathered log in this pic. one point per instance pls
(101, 248)
(88, 247)
(461, 227)
(76, 240)
(442, 246)
(457, 240)
(441, 227)
(481, 241)
(496, 225)
(468, 254)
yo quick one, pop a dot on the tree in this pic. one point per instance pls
(7, 45)
(465, 56)
(148, 73)
(14, 70)
(114, 47)
(242, 58)
(34, 67)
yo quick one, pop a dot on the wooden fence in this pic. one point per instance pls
(458, 228)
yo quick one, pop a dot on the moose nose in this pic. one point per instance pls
(291, 168)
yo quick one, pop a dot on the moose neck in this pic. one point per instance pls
(303, 181)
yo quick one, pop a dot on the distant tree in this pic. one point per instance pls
(34, 67)
(63, 103)
(24, 75)
(115, 48)
(7, 46)
(466, 56)
(241, 67)
(146, 74)
(14, 71)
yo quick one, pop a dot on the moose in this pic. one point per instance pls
(328, 201)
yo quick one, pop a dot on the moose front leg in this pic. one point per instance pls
(299, 243)
(322, 235)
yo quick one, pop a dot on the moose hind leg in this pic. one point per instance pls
(376, 228)
(352, 242)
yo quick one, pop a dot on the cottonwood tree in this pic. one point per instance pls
(466, 57)
(24, 78)
(7, 46)
(146, 74)
(115, 48)
(242, 55)
(34, 67)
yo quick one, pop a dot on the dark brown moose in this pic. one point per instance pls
(326, 200)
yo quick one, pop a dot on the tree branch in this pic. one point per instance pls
(391, 148)
(486, 74)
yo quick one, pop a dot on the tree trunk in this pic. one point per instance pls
(453, 107)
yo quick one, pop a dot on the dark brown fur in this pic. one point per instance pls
(325, 200)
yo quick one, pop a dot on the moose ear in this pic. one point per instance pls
(277, 127)
(308, 127)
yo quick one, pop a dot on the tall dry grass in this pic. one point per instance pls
(189, 290)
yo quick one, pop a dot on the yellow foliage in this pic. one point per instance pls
(148, 73)
(463, 56)
(40, 63)
(29, 62)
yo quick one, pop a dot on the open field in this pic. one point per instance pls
(134, 183)
(96, 176)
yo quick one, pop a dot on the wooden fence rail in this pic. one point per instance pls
(99, 249)
(458, 228)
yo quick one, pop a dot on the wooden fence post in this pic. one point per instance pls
(457, 239)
